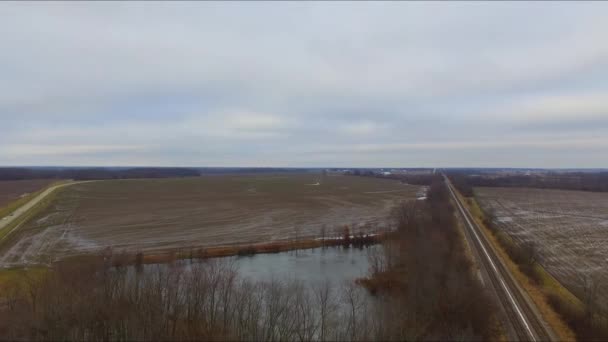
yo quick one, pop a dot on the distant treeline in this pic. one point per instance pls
(14, 173)
(462, 183)
(413, 179)
(84, 173)
(416, 179)
(597, 181)
(248, 170)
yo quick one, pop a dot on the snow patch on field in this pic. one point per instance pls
(77, 242)
(524, 213)
(381, 192)
(338, 238)
(206, 212)
(422, 192)
(569, 228)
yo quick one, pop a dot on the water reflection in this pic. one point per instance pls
(335, 264)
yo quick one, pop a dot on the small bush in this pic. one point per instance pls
(532, 272)
(246, 251)
(585, 329)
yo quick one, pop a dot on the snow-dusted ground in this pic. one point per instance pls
(152, 215)
(569, 228)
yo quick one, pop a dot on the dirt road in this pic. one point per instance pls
(7, 221)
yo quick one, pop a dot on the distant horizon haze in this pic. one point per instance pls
(304, 84)
(306, 167)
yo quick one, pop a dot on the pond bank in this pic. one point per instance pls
(253, 249)
(314, 267)
(197, 253)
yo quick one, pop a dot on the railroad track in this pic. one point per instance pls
(524, 319)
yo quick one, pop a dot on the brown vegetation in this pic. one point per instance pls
(102, 300)
(461, 183)
(427, 276)
(248, 249)
(587, 318)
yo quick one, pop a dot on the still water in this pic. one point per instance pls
(309, 267)
(335, 264)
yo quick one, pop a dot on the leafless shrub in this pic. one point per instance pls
(425, 282)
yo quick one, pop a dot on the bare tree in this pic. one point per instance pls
(324, 300)
(352, 298)
(323, 233)
(296, 230)
(592, 286)
(529, 253)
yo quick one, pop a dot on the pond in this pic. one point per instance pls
(309, 266)
(336, 264)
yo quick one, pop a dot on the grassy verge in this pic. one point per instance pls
(19, 274)
(14, 205)
(541, 287)
(43, 204)
(14, 281)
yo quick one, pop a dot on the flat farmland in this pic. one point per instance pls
(206, 211)
(569, 228)
(13, 190)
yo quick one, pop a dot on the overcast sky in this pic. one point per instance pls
(304, 84)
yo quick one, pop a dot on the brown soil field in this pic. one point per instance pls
(13, 190)
(569, 228)
(159, 214)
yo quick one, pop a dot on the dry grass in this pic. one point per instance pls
(14, 194)
(159, 257)
(537, 292)
(11, 191)
(9, 274)
(30, 214)
(18, 275)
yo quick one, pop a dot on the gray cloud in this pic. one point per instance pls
(304, 84)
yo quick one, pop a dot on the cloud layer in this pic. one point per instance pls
(304, 84)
